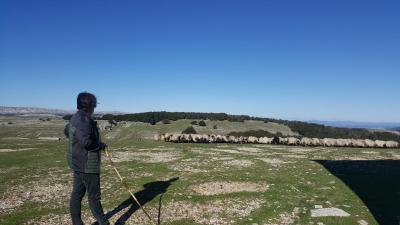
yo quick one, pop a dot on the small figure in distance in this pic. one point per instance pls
(84, 159)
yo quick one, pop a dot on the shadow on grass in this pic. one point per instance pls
(150, 191)
(376, 182)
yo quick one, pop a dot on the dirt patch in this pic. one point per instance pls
(14, 138)
(396, 156)
(239, 163)
(9, 170)
(301, 150)
(370, 152)
(231, 151)
(357, 158)
(192, 165)
(222, 187)
(223, 146)
(161, 148)
(249, 149)
(188, 167)
(295, 156)
(148, 157)
(15, 150)
(222, 158)
(204, 152)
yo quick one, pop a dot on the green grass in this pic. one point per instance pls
(299, 182)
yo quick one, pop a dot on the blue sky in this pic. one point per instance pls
(327, 60)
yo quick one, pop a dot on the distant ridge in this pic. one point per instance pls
(5, 110)
(395, 129)
(352, 124)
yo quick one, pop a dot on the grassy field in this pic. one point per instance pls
(198, 183)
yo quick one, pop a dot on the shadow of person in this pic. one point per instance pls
(376, 182)
(150, 191)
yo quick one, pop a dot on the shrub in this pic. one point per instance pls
(67, 117)
(194, 122)
(166, 121)
(202, 123)
(189, 130)
(215, 127)
(113, 122)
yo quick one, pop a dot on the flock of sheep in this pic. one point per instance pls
(304, 141)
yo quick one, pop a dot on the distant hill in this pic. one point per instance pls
(352, 124)
(35, 111)
(306, 129)
(4, 110)
(396, 129)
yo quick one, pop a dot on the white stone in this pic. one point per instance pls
(328, 212)
(362, 222)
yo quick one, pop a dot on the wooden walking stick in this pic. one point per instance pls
(126, 186)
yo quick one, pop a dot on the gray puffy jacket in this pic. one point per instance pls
(84, 147)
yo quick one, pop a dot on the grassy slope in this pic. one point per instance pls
(137, 130)
(301, 183)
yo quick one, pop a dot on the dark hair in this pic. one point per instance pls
(86, 101)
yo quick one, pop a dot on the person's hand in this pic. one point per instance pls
(103, 146)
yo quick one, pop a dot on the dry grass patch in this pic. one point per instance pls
(250, 149)
(148, 157)
(273, 161)
(298, 156)
(224, 187)
(51, 189)
(239, 163)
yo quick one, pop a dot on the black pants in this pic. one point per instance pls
(91, 183)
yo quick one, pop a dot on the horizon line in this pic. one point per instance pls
(267, 117)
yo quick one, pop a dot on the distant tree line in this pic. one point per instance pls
(154, 117)
(321, 131)
(304, 129)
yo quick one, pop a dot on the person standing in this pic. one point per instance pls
(84, 159)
